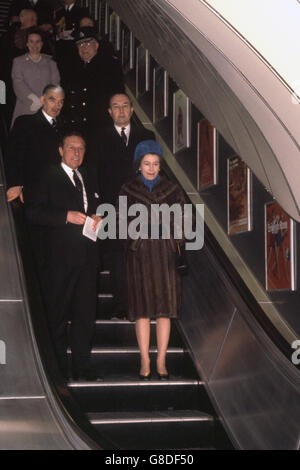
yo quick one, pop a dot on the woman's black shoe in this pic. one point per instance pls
(145, 377)
(163, 376)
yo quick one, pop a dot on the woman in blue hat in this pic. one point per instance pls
(153, 283)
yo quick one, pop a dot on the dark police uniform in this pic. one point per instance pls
(89, 86)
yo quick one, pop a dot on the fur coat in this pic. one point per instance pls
(153, 284)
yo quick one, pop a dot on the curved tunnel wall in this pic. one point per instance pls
(241, 366)
(229, 82)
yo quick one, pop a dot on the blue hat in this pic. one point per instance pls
(147, 146)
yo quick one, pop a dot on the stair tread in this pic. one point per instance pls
(130, 350)
(131, 381)
(149, 416)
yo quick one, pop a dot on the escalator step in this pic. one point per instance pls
(134, 395)
(156, 430)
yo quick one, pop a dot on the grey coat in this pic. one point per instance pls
(31, 78)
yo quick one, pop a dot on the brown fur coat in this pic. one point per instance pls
(153, 284)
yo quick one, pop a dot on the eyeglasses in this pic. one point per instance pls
(86, 44)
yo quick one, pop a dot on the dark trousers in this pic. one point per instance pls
(72, 295)
(114, 262)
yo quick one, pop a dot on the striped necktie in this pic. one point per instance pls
(77, 181)
(123, 135)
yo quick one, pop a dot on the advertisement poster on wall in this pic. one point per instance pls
(142, 71)
(279, 248)
(114, 30)
(206, 154)
(160, 94)
(181, 121)
(238, 196)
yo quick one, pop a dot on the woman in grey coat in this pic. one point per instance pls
(31, 72)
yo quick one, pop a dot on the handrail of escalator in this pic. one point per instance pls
(243, 293)
(62, 402)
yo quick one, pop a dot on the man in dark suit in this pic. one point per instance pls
(60, 202)
(112, 152)
(69, 16)
(33, 143)
(32, 147)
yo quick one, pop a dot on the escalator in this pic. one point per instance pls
(136, 414)
(120, 411)
(232, 381)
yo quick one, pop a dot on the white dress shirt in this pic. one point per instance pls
(49, 118)
(126, 130)
(69, 172)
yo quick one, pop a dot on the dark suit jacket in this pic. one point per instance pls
(72, 17)
(47, 205)
(32, 146)
(43, 8)
(114, 160)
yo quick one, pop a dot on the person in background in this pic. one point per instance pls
(13, 44)
(67, 20)
(31, 72)
(67, 17)
(43, 8)
(92, 79)
(153, 283)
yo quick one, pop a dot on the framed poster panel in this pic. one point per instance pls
(96, 7)
(239, 213)
(127, 49)
(279, 248)
(106, 22)
(181, 121)
(142, 70)
(207, 163)
(160, 93)
(114, 30)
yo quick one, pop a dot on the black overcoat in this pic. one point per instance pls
(114, 160)
(32, 146)
(89, 87)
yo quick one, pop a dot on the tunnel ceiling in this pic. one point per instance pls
(229, 83)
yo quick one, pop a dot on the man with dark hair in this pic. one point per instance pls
(60, 202)
(95, 75)
(112, 151)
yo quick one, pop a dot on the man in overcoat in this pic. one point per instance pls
(95, 75)
(32, 147)
(60, 202)
(112, 151)
(33, 143)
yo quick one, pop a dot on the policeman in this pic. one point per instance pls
(95, 75)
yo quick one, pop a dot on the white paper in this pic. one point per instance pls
(88, 230)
